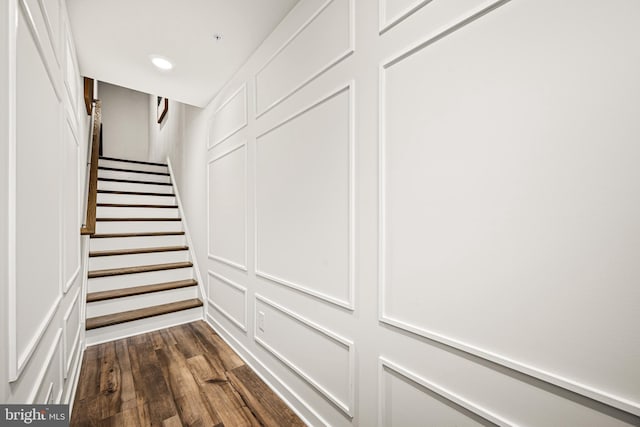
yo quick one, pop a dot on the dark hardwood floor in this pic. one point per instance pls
(182, 376)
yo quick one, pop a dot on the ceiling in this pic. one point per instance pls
(115, 39)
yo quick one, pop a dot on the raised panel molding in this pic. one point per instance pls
(40, 46)
(349, 303)
(19, 358)
(53, 38)
(71, 77)
(241, 94)
(385, 366)
(239, 265)
(66, 334)
(552, 378)
(12, 350)
(67, 235)
(388, 22)
(55, 349)
(346, 407)
(337, 58)
(240, 323)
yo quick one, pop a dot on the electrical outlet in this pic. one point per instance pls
(261, 321)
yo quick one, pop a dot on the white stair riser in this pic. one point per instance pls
(118, 305)
(132, 175)
(128, 186)
(110, 333)
(135, 242)
(108, 227)
(134, 166)
(129, 212)
(99, 284)
(130, 199)
(121, 261)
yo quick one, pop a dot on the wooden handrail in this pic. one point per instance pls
(90, 223)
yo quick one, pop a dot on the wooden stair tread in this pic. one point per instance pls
(138, 251)
(133, 181)
(141, 313)
(109, 168)
(138, 269)
(140, 162)
(133, 205)
(139, 290)
(144, 234)
(138, 219)
(136, 193)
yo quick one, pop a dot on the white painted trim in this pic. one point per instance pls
(45, 367)
(350, 303)
(516, 365)
(67, 84)
(47, 23)
(26, 355)
(187, 234)
(37, 40)
(62, 241)
(322, 70)
(71, 391)
(244, 124)
(12, 31)
(348, 407)
(73, 125)
(84, 247)
(457, 400)
(74, 276)
(68, 358)
(456, 24)
(228, 262)
(385, 24)
(555, 379)
(49, 394)
(258, 367)
(239, 266)
(59, 397)
(240, 324)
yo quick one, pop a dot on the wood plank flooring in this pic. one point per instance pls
(181, 376)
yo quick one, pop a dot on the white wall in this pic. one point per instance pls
(177, 138)
(425, 212)
(165, 138)
(44, 148)
(125, 118)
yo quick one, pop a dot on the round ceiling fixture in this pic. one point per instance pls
(161, 62)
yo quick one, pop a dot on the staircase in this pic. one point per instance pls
(140, 275)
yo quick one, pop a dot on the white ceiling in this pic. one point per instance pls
(114, 39)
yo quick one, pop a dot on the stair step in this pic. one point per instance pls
(138, 269)
(133, 205)
(138, 251)
(149, 234)
(137, 219)
(133, 181)
(108, 168)
(139, 290)
(136, 193)
(142, 313)
(133, 161)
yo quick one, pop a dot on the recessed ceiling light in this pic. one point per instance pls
(160, 62)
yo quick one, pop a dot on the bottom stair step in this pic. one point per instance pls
(143, 313)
